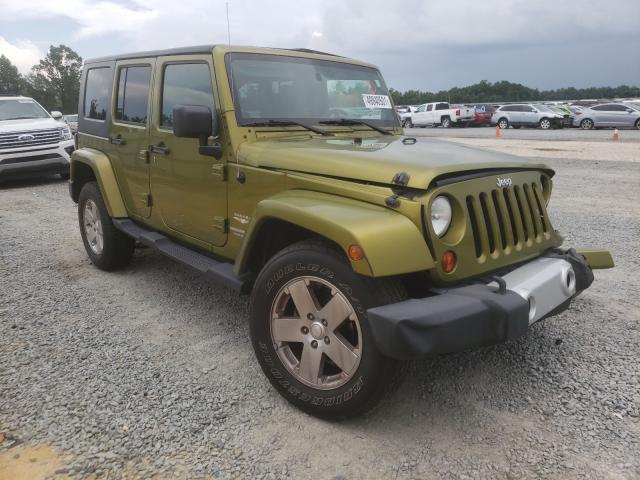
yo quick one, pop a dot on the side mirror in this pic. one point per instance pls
(56, 114)
(196, 121)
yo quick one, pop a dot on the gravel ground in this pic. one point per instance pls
(148, 373)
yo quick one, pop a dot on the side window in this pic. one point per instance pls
(185, 84)
(617, 108)
(600, 108)
(420, 108)
(442, 106)
(429, 108)
(96, 93)
(527, 108)
(509, 108)
(133, 94)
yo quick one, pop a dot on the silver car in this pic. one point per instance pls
(526, 115)
(616, 115)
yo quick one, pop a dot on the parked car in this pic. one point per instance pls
(360, 247)
(404, 112)
(567, 115)
(32, 141)
(72, 121)
(483, 114)
(526, 115)
(440, 113)
(616, 115)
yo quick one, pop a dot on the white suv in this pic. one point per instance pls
(526, 115)
(31, 140)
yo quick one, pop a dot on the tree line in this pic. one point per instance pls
(503, 91)
(54, 82)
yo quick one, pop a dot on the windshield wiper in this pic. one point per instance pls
(349, 121)
(284, 123)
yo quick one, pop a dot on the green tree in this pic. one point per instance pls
(55, 81)
(11, 82)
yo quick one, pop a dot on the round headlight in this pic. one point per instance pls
(441, 214)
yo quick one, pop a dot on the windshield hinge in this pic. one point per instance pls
(219, 170)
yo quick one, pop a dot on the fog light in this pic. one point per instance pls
(356, 253)
(448, 261)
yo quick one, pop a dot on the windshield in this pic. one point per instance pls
(544, 108)
(273, 87)
(20, 108)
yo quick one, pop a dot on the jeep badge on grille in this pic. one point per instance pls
(504, 182)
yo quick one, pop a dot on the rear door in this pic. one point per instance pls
(188, 188)
(129, 134)
(528, 115)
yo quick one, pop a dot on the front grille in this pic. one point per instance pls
(39, 137)
(507, 219)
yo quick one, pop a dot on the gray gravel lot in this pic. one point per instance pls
(149, 372)
(570, 134)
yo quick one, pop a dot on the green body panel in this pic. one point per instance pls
(337, 186)
(103, 171)
(379, 231)
(597, 258)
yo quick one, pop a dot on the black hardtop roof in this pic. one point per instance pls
(183, 51)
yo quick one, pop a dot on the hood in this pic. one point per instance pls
(378, 159)
(27, 124)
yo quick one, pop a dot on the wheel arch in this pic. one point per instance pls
(392, 244)
(89, 165)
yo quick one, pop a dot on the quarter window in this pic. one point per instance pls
(96, 94)
(133, 94)
(185, 84)
(429, 107)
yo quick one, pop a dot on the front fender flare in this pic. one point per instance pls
(103, 172)
(392, 243)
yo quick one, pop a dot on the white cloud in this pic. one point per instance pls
(23, 54)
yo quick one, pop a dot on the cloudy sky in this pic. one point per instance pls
(426, 45)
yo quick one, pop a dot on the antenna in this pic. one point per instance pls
(228, 27)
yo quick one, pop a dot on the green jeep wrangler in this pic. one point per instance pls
(285, 174)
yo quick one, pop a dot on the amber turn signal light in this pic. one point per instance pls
(448, 261)
(356, 253)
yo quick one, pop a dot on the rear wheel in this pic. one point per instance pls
(446, 122)
(586, 124)
(310, 331)
(107, 247)
(503, 123)
(638, 124)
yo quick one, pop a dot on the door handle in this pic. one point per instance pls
(159, 149)
(117, 140)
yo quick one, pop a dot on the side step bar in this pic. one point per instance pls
(221, 272)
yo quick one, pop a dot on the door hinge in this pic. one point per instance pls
(219, 170)
(148, 199)
(144, 156)
(221, 223)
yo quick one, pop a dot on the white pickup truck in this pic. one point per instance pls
(440, 113)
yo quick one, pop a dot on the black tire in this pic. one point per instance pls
(545, 123)
(638, 124)
(117, 248)
(374, 377)
(407, 123)
(64, 175)
(586, 124)
(503, 123)
(445, 122)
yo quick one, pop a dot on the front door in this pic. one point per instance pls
(188, 188)
(129, 135)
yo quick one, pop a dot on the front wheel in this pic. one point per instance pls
(407, 123)
(545, 124)
(107, 247)
(311, 335)
(586, 124)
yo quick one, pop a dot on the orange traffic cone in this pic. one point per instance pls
(498, 132)
(616, 135)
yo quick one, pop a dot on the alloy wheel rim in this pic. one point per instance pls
(93, 227)
(316, 333)
(545, 124)
(503, 124)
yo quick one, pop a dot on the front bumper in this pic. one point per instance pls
(53, 158)
(481, 314)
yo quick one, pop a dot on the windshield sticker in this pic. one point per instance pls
(376, 101)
